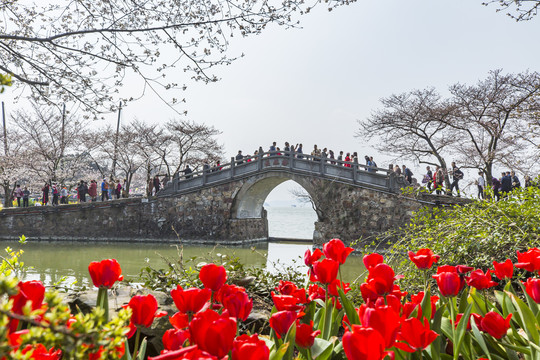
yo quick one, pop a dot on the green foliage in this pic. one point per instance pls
(5, 80)
(85, 334)
(185, 272)
(474, 234)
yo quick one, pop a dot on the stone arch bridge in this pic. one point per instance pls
(225, 205)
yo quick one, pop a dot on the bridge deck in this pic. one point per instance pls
(307, 165)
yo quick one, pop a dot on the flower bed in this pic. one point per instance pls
(471, 316)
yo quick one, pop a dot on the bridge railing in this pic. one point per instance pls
(294, 162)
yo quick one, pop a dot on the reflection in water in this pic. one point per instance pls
(53, 261)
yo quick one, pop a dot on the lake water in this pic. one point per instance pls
(52, 261)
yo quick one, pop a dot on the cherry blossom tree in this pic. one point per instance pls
(85, 50)
(520, 10)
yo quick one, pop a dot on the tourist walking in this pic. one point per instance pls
(45, 191)
(439, 180)
(272, 149)
(64, 195)
(104, 190)
(481, 185)
(81, 191)
(92, 190)
(18, 193)
(457, 175)
(110, 188)
(118, 189)
(287, 149)
(516, 184)
(496, 187)
(55, 194)
(157, 184)
(408, 174)
(26, 196)
(428, 178)
(506, 183)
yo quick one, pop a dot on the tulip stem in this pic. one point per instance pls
(485, 300)
(137, 338)
(103, 302)
(425, 280)
(453, 321)
(309, 354)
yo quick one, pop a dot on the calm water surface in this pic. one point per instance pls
(52, 261)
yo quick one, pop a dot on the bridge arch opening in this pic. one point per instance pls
(284, 202)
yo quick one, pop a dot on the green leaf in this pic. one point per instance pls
(462, 326)
(350, 311)
(321, 349)
(480, 339)
(280, 352)
(426, 304)
(142, 350)
(290, 338)
(127, 354)
(528, 319)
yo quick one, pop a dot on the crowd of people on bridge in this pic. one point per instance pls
(348, 159)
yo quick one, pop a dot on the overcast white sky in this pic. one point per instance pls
(311, 85)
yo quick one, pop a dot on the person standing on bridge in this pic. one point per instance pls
(287, 149)
(239, 158)
(64, 195)
(299, 151)
(187, 172)
(272, 149)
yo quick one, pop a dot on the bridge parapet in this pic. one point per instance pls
(349, 172)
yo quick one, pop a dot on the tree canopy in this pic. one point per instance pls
(83, 50)
(520, 10)
(492, 121)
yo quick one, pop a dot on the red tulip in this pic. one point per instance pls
(179, 320)
(371, 260)
(249, 348)
(310, 258)
(212, 276)
(105, 273)
(190, 300)
(316, 292)
(289, 288)
(529, 260)
(495, 325)
(334, 285)
(32, 291)
(532, 287)
(326, 270)
(174, 339)
(40, 352)
(212, 332)
(424, 258)
(384, 319)
(504, 270)
(449, 283)
(188, 353)
(285, 302)
(144, 310)
(381, 279)
(336, 250)
(416, 336)
(305, 336)
(227, 290)
(363, 343)
(479, 280)
(281, 321)
(238, 304)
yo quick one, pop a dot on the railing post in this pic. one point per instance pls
(321, 165)
(291, 159)
(233, 164)
(260, 160)
(355, 170)
(176, 179)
